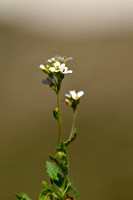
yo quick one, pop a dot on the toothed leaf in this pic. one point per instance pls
(52, 171)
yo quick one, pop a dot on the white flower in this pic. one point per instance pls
(58, 67)
(65, 70)
(49, 61)
(42, 67)
(72, 94)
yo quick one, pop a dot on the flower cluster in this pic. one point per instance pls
(56, 68)
(73, 98)
(56, 65)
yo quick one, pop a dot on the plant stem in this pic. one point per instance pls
(59, 112)
(74, 119)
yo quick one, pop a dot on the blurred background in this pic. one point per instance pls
(98, 34)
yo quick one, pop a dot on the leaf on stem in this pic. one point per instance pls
(52, 170)
(54, 190)
(63, 167)
(72, 138)
(45, 184)
(45, 195)
(76, 193)
(23, 196)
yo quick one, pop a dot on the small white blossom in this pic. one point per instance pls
(49, 61)
(66, 71)
(58, 67)
(42, 67)
(72, 94)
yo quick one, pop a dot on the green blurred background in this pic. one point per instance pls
(101, 159)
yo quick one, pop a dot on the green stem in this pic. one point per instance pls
(59, 112)
(74, 120)
(64, 183)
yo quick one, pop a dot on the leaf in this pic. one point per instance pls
(52, 170)
(68, 186)
(54, 190)
(48, 197)
(60, 182)
(74, 135)
(55, 113)
(76, 193)
(45, 193)
(23, 196)
(63, 168)
(45, 197)
(45, 184)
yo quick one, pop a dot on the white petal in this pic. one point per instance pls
(80, 94)
(49, 60)
(73, 94)
(64, 70)
(63, 65)
(52, 69)
(42, 67)
(53, 59)
(69, 71)
(68, 95)
(57, 64)
(57, 70)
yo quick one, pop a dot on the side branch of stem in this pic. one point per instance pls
(74, 120)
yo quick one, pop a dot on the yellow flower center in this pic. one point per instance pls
(57, 68)
(76, 96)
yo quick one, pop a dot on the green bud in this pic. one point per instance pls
(46, 70)
(47, 197)
(69, 102)
(62, 155)
(55, 113)
(52, 86)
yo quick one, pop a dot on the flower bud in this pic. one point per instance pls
(62, 155)
(68, 102)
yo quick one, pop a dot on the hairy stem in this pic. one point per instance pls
(74, 120)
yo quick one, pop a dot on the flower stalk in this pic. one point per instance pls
(59, 111)
(74, 120)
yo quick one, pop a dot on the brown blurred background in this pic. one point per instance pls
(99, 36)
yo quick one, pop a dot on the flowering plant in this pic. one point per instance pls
(60, 184)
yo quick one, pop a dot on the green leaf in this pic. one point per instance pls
(45, 184)
(54, 190)
(60, 182)
(45, 193)
(52, 170)
(48, 196)
(76, 193)
(55, 113)
(68, 186)
(63, 167)
(23, 196)
(74, 135)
